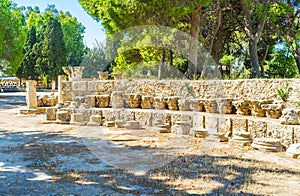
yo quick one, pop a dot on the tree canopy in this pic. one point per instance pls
(251, 28)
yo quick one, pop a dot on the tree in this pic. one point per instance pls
(12, 37)
(72, 29)
(52, 53)
(94, 60)
(118, 15)
(27, 70)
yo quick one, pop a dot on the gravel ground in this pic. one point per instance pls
(50, 159)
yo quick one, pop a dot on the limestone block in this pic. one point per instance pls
(62, 116)
(184, 104)
(172, 102)
(92, 85)
(181, 117)
(111, 115)
(66, 96)
(85, 111)
(197, 105)
(90, 100)
(181, 128)
(102, 101)
(211, 123)
(283, 132)
(296, 134)
(273, 110)
(267, 144)
(66, 86)
(79, 100)
(241, 138)
(257, 128)
(242, 107)
(224, 105)
(79, 85)
(77, 119)
(105, 87)
(289, 116)
(51, 113)
(256, 109)
(95, 120)
(126, 115)
(211, 106)
(147, 102)
(161, 116)
(144, 117)
(133, 100)
(225, 125)
(96, 111)
(31, 100)
(198, 120)
(159, 103)
(117, 100)
(239, 124)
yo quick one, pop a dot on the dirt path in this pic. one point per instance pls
(43, 159)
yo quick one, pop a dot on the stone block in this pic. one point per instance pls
(79, 86)
(198, 120)
(161, 116)
(225, 125)
(296, 134)
(144, 117)
(51, 113)
(90, 100)
(239, 124)
(211, 123)
(283, 132)
(126, 115)
(178, 116)
(257, 128)
(66, 86)
(96, 111)
(111, 115)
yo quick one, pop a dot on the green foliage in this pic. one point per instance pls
(282, 64)
(12, 37)
(283, 92)
(93, 61)
(28, 70)
(52, 51)
(227, 60)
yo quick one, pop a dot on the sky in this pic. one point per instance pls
(93, 29)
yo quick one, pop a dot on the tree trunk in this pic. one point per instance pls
(170, 59)
(297, 59)
(254, 59)
(262, 69)
(193, 48)
(161, 65)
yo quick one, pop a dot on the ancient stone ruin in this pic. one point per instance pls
(243, 112)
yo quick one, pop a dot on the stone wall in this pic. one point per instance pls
(256, 89)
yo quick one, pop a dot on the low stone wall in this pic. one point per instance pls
(256, 89)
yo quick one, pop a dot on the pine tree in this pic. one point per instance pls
(27, 70)
(52, 50)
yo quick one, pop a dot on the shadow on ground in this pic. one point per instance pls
(44, 163)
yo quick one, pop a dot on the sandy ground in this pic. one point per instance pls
(50, 159)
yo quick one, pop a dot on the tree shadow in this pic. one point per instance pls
(26, 155)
